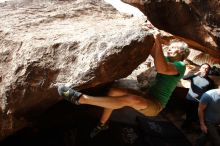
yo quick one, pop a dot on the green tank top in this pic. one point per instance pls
(164, 85)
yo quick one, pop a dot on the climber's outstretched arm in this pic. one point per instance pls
(162, 66)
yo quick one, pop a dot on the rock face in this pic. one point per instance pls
(195, 21)
(83, 42)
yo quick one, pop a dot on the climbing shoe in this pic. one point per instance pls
(99, 128)
(69, 94)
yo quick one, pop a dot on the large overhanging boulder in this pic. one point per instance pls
(195, 21)
(44, 44)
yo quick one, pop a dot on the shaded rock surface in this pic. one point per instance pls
(55, 128)
(46, 43)
(195, 21)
